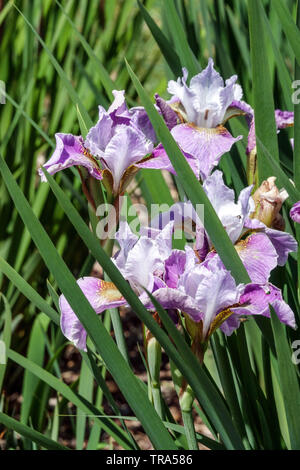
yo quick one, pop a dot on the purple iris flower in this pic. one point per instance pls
(196, 115)
(113, 148)
(140, 260)
(260, 248)
(295, 212)
(265, 247)
(208, 294)
(204, 291)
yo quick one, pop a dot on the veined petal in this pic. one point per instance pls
(238, 108)
(256, 299)
(140, 119)
(283, 242)
(169, 115)
(118, 110)
(182, 92)
(222, 198)
(216, 292)
(127, 146)
(206, 145)
(258, 256)
(126, 239)
(100, 294)
(284, 118)
(69, 152)
(174, 268)
(175, 299)
(100, 135)
(143, 262)
(205, 101)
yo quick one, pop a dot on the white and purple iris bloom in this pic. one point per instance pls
(196, 115)
(196, 284)
(113, 148)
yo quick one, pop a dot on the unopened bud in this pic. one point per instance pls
(268, 202)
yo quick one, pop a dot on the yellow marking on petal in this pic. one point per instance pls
(91, 157)
(242, 245)
(109, 292)
(127, 176)
(220, 318)
(209, 132)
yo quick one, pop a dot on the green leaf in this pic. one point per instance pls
(179, 39)
(72, 93)
(110, 427)
(265, 127)
(289, 26)
(30, 433)
(28, 291)
(6, 338)
(104, 75)
(165, 46)
(288, 380)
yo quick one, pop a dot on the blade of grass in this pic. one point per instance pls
(6, 337)
(265, 127)
(30, 433)
(165, 46)
(72, 93)
(288, 380)
(185, 53)
(110, 427)
(289, 26)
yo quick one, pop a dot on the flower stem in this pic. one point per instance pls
(154, 363)
(186, 404)
(186, 399)
(118, 329)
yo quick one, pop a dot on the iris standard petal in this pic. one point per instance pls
(127, 146)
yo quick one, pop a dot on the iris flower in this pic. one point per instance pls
(196, 115)
(204, 291)
(112, 149)
(140, 260)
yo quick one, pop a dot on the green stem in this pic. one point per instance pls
(118, 329)
(154, 363)
(189, 428)
(186, 401)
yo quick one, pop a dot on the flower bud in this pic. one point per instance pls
(268, 202)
